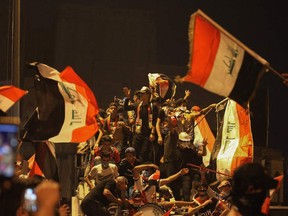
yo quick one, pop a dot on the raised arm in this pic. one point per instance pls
(173, 177)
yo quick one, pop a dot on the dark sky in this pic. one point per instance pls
(259, 24)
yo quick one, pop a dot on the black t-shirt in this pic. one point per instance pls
(189, 155)
(97, 192)
(126, 169)
(171, 153)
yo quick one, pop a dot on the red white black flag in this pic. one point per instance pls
(66, 110)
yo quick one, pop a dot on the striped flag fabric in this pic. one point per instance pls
(66, 110)
(237, 141)
(162, 85)
(220, 63)
(43, 161)
(272, 192)
(9, 95)
(202, 131)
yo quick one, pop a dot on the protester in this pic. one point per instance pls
(146, 117)
(205, 204)
(103, 171)
(46, 198)
(126, 167)
(148, 181)
(108, 191)
(106, 145)
(250, 185)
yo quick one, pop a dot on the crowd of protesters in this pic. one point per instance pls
(149, 143)
(138, 164)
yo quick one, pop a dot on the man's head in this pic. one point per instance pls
(130, 154)
(250, 187)
(225, 187)
(121, 182)
(145, 93)
(112, 109)
(202, 190)
(105, 159)
(184, 140)
(106, 140)
(137, 196)
(252, 175)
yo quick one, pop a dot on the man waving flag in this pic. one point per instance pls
(66, 110)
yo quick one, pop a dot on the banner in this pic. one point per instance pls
(162, 85)
(237, 141)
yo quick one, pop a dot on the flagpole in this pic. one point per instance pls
(15, 48)
(210, 170)
(267, 117)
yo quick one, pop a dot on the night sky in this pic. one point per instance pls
(259, 24)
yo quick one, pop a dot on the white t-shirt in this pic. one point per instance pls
(149, 192)
(100, 174)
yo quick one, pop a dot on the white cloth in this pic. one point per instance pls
(100, 174)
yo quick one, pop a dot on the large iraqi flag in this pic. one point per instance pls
(66, 110)
(236, 144)
(220, 63)
(9, 95)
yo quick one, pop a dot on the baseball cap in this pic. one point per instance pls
(252, 174)
(144, 90)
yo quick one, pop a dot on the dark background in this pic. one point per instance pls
(111, 44)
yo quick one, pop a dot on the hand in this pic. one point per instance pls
(119, 202)
(187, 93)
(184, 171)
(48, 194)
(152, 137)
(205, 142)
(213, 105)
(160, 140)
(64, 210)
(202, 169)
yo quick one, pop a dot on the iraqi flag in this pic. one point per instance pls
(43, 162)
(236, 147)
(202, 131)
(9, 95)
(162, 85)
(220, 63)
(66, 110)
